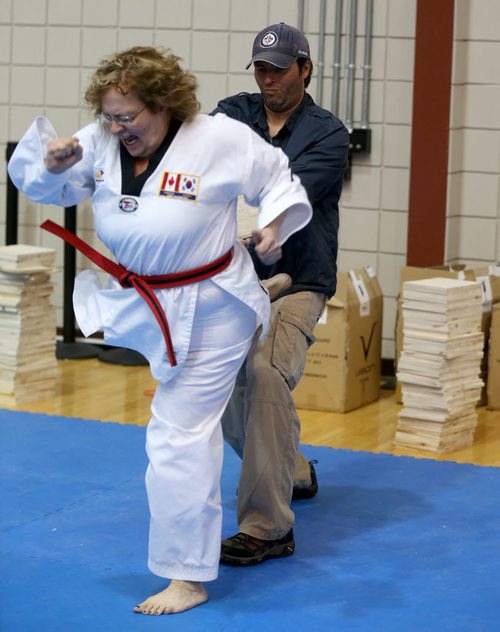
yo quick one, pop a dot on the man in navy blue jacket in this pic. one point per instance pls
(261, 422)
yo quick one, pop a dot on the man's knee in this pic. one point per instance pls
(264, 380)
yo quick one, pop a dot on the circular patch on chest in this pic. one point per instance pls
(128, 204)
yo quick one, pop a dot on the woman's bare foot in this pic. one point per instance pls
(179, 595)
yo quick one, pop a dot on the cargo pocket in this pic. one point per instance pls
(291, 342)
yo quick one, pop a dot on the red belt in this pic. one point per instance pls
(144, 284)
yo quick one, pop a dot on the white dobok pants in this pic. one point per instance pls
(184, 440)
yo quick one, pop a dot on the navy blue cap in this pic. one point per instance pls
(280, 45)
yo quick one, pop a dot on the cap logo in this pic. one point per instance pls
(268, 39)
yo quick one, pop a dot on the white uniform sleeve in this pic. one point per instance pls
(28, 173)
(272, 186)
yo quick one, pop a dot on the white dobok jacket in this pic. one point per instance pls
(185, 217)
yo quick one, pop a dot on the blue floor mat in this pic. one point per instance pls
(389, 544)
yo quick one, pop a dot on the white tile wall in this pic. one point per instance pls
(497, 238)
(475, 150)
(63, 46)
(359, 229)
(65, 13)
(401, 18)
(96, 44)
(167, 9)
(388, 272)
(363, 190)
(477, 19)
(243, 82)
(352, 259)
(471, 238)
(178, 41)
(376, 109)
(281, 11)
(21, 117)
(476, 106)
(5, 92)
(388, 326)
(473, 194)
(398, 102)
(211, 86)
(99, 13)
(400, 59)
(65, 120)
(210, 51)
(473, 230)
(378, 56)
(137, 14)
(28, 45)
(252, 16)
(5, 11)
(397, 145)
(70, 95)
(376, 100)
(211, 16)
(28, 85)
(48, 49)
(476, 62)
(4, 116)
(5, 44)
(395, 189)
(240, 52)
(135, 37)
(393, 232)
(29, 12)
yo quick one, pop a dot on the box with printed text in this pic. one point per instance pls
(343, 366)
(494, 360)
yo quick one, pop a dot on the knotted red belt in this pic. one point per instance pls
(144, 284)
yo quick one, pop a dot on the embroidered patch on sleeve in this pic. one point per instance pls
(180, 186)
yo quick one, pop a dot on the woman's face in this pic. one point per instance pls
(143, 135)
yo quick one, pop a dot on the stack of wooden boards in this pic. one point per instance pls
(27, 324)
(439, 366)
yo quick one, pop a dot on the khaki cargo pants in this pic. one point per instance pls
(261, 423)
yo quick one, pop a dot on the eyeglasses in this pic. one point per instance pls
(119, 118)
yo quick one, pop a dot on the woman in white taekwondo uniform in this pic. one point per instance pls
(182, 290)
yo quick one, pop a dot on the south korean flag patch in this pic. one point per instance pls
(180, 186)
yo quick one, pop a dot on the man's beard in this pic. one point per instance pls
(274, 104)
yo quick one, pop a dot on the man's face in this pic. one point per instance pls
(282, 88)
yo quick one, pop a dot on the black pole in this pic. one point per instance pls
(12, 203)
(69, 277)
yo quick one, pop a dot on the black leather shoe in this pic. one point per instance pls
(299, 493)
(244, 550)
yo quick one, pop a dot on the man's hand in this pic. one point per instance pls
(63, 153)
(267, 247)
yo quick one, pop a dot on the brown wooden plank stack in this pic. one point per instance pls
(439, 366)
(27, 325)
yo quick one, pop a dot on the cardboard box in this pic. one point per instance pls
(343, 366)
(493, 387)
(488, 276)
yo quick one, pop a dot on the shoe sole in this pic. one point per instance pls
(280, 550)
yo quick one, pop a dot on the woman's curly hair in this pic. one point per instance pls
(153, 75)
